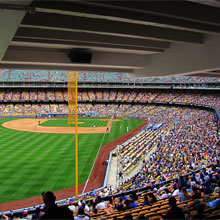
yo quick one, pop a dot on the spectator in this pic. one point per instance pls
(93, 209)
(134, 196)
(81, 215)
(152, 198)
(199, 206)
(196, 193)
(165, 194)
(133, 204)
(146, 201)
(127, 204)
(181, 182)
(37, 213)
(52, 210)
(110, 207)
(101, 204)
(214, 203)
(174, 212)
(200, 212)
(120, 205)
(208, 189)
(183, 196)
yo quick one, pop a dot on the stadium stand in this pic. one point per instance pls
(59, 76)
(183, 130)
(199, 98)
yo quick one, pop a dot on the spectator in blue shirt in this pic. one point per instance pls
(133, 204)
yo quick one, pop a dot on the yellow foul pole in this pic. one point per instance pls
(76, 136)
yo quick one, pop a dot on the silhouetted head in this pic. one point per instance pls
(49, 198)
(172, 201)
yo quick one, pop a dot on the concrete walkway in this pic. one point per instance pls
(113, 170)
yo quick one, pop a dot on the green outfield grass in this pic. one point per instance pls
(35, 162)
(85, 122)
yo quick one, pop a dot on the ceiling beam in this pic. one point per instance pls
(114, 28)
(116, 14)
(87, 37)
(60, 58)
(46, 66)
(184, 10)
(56, 44)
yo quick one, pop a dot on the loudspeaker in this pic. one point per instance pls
(77, 56)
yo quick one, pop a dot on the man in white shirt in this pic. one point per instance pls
(100, 205)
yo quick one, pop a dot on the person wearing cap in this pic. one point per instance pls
(52, 210)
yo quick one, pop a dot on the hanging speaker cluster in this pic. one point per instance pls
(80, 56)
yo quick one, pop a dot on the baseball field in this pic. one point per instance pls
(35, 160)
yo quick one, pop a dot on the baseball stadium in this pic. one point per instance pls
(94, 125)
(122, 126)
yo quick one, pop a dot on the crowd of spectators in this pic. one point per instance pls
(51, 100)
(112, 95)
(33, 95)
(8, 95)
(25, 95)
(61, 76)
(27, 109)
(106, 95)
(91, 95)
(192, 143)
(64, 108)
(131, 96)
(50, 95)
(120, 95)
(207, 98)
(41, 95)
(17, 109)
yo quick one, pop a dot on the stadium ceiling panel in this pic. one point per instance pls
(144, 38)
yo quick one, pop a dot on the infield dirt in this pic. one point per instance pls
(32, 125)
